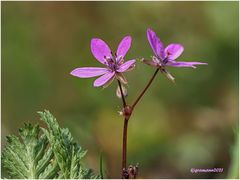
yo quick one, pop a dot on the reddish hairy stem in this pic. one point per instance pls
(127, 111)
(124, 148)
(125, 127)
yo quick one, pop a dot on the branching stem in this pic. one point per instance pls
(127, 112)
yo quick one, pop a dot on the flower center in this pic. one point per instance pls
(112, 62)
(169, 53)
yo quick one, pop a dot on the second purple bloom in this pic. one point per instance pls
(166, 56)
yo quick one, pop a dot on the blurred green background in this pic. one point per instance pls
(176, 127)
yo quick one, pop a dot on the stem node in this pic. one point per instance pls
(127, 111)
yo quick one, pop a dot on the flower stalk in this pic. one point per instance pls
(124, 150)
(145, 89)
(125, 127)
(127, 112)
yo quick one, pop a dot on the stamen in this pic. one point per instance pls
(156, 60)
(165, 60)
(120, 60)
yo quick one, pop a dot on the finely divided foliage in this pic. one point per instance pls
(43, 153)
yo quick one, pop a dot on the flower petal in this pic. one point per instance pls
(126, 66)
(104, 79)
(156, 44)
(184, 64)
(124, 46)
(100, 50)
(173, 51)
(87, 72)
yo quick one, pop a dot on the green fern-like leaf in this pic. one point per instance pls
(42, 153)
(26, 157)
(66, 151)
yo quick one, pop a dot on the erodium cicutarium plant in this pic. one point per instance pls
(115, 66)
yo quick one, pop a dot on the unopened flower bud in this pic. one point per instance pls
(118, 92)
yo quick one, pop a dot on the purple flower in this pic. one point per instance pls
(166, 56)
(114, 63)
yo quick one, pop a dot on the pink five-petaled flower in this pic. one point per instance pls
(166, 56)
(114, 63)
